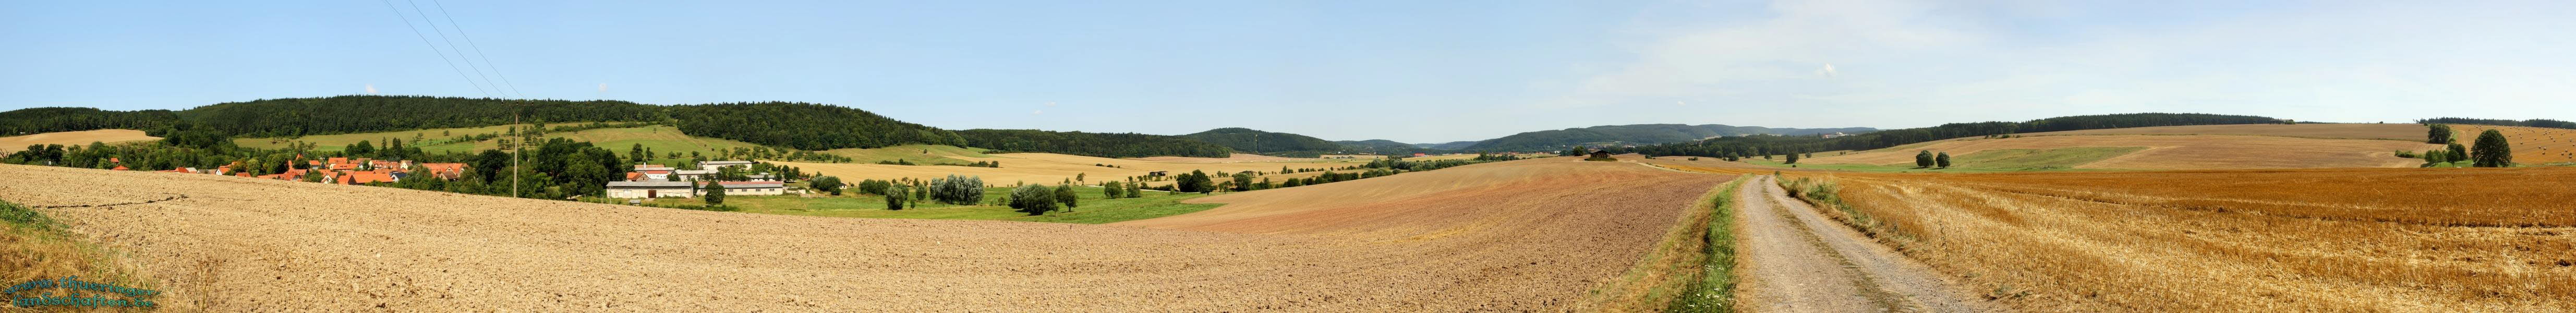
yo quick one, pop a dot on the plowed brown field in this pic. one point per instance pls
(1511, 236)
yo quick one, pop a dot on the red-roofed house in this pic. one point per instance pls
(445, 170)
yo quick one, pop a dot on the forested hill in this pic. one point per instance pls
(359, 114)
(805, 126)
(1383, 146)
(1114, 145)
(1745, 146)
(46, 120)
(1553, 140)
(1254, 141)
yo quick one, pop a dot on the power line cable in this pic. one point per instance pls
(478, 49)
(451, 45)
(433, 48)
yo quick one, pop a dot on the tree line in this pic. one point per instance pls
(1112, 145)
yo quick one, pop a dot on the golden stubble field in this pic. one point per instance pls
(2531, 145)
(2175, 152)
(1532, 235)
(2366, 240)
(15, 143)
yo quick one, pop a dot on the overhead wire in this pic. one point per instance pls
(433, 48)
(478, 48)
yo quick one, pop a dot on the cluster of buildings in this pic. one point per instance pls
(655, 181)
(347, 171)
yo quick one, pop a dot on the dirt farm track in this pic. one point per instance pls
(1526, 235)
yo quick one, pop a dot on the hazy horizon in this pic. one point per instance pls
(1409, 72)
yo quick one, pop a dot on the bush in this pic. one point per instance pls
(826, 184)
(957, 189)
(1064, 194)
(895, 200)
(1112, 190)
(1033, 199)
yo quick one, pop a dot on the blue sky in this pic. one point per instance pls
(1413, 71)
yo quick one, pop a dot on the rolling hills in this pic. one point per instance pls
(1555, 140)
(2253, 146)
(15, 143)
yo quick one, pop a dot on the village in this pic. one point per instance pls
(643, 182)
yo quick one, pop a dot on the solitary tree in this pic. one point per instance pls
(1923, 159)
(2437, 134)
(1064, 194)
(715, 193)
(1943, 160)
(1112, 190)
(1793, 158)
(2492, 151)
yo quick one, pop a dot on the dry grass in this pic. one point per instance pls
(15, 143)
(2531, 145)
(2175, 152)
(2404, 131)
(33, 247)
(2388, 240)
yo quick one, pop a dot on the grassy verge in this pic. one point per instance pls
(1689, 270)
(1714, 288)
(36, 247)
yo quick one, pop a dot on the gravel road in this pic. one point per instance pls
(1796, 260)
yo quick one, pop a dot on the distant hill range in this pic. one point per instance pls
(1255, 141)
(1638, 134)
(1453, 145)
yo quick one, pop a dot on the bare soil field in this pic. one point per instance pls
(15, 143)
(2330, 240)
(2402, 131)
(1531, 235)
(1051, 168)
(2531, 145)
(2175, 152)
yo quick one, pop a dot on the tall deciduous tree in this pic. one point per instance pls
(1943, 160)
(1923, 158)
(2437, 133)
(2492, 150)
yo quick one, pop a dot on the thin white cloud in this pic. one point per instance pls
(371, 89)
(1932, 63)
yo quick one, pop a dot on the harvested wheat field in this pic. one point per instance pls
(1051, 168)
(15, 143)
(2173, 152)
(2338, 240)
(1509, 236)
(2405, 131)
(2531, 145)
(1232, 158)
